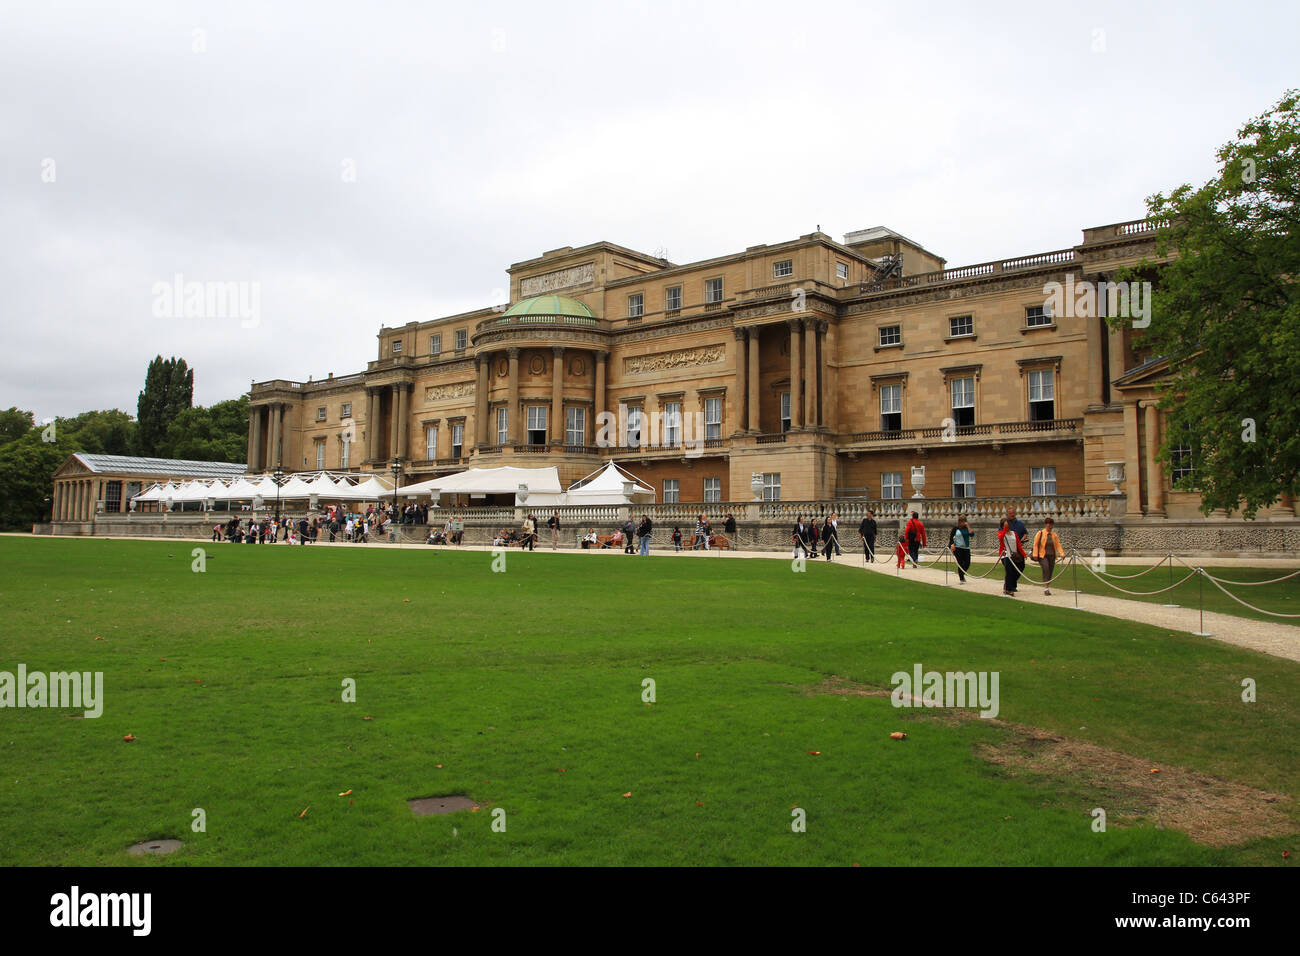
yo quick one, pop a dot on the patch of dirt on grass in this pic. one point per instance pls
(1208, 809)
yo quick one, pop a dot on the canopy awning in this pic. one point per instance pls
(505, 480)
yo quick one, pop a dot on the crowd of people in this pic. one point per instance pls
(1045, 549)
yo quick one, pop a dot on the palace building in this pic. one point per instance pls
(830, 368)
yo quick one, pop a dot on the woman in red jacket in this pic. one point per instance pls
(914, 531)
(1012, 555)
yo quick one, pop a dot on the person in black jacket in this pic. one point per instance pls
(553, 522)
(629, 529)
(800, 538)
(867, 533)
(643, 532)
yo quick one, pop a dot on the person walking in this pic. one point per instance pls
(1046, 549)
(643, 533)
(1012, 555)
(701, 533)
(554, 524)
(677, 538)
(867, 534)
(629, 529)
(831, 535)
(799, 535)
(528, 533)
(959, 545)
(914, 532)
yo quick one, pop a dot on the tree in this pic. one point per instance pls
(26, 477)
(168, 390)
(14, 423)
(108, 432)
(1226, 313)
(216, 433)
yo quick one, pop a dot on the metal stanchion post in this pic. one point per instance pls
(1170, 558)
(1200, 600)
(1074, 572)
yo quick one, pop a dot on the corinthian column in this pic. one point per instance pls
(557, 396)
(796, 391)
(512, 405)
(810, 372)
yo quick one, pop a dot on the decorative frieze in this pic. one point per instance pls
(560, 279)
(438, 393)
(678, 358)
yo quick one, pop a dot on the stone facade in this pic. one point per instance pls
(833, 368)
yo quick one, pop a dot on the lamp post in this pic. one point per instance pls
(278, 474)
(396, 467)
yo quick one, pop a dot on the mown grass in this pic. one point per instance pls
(526, 686)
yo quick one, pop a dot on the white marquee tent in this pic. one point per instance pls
(490, 481)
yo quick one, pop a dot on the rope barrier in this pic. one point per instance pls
(1129, 577)
(1258, 610)
(1138, 593)
(1245, 584)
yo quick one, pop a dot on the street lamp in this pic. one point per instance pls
(278, 473)
(396, 467)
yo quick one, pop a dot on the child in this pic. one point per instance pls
(901, 551)
(677, 538)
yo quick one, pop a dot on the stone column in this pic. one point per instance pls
(742, 386)
(810, 373)
(372, 423)
(255, 462)
(755, 334)
(512, 403)
(75, 511)
(403, 425)
(395, 422)
(482, 365)
(1155, 484)
(822, 415)
(250, 457)
(1116, 346)
(602, 358)
(796, 373)
(273, 454)
(1132, 459)
(1097, 390)
(556, 425)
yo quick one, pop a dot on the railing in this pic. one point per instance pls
(979, 270)
(1028, 507)
(276, 383)
(1066, 426)
(773, 438)
(583, 321)
(581, 450)
(1140, 225)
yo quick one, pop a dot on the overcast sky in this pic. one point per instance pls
(368, 164)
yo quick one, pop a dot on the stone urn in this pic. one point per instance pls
(918, 481)
(1115, 475)
(522, 494)
(756, 485)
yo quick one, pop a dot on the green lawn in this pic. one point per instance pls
(231, 681)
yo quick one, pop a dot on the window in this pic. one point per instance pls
(457, 436)
(673, 298)
(320, 414)
(712, 290)
(842, 270)
(1042, 481)
(891, 408)
(397, 346)
(634, 427)
(320, 455)
(963, 483)
(963, 401)
(635, 306)
(712, 419)
(672, 423)
(783, 268)
(347, 410)
(537, 424)
(345, 452)
(670, 491)
(435, 344)
(1038, 315)
(1042, 393)
(771, 486)
(712, 489)
(961, 325)
(891, 335)
(1182, 471)
(503, 425)
(575, 425)
(462, 337)
(785, 411)
(891, 484)
(430, 442)
(112, 497)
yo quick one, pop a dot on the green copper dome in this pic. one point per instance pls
(550, 305)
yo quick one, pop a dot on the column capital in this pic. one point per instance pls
(557, 350)
(602, 355)
(741, 333)
(513, 352)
